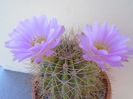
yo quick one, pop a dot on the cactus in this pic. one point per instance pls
(66, 75)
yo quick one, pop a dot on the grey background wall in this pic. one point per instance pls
(72, 13)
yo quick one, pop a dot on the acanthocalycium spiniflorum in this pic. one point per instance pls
(70, 67)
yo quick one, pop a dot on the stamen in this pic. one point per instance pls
(38, 39)
(101, 46)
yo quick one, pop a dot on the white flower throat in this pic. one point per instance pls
(38, 40)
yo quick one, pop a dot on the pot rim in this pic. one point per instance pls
(108, 83)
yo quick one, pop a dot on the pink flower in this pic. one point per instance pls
(104, 45)
(35, 38)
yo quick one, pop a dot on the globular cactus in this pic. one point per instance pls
(66, 75)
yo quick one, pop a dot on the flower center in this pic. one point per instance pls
(101, 46)
(38, 40)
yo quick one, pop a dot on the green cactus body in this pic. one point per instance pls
(66, 75)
